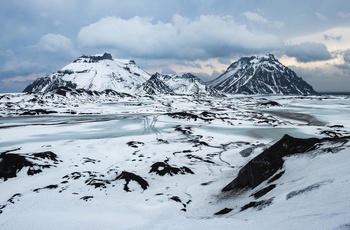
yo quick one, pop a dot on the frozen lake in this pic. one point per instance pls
(128, 122)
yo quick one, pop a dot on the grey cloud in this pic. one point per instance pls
(57, 43)
(332, 37)
(207, 77)
(326, 79)
(308, 52)
(346, 56)
(168, 70)
(255, 17)
(204, 37)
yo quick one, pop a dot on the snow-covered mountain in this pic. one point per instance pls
(96, 72)
(182, 84)
(262, 74)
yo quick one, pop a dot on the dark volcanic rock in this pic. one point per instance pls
(53, 186)
(135, 144)
(128, 176)
(270, 103)
(266, 164)
(37, 112)
(162, 168)
(263, 191)
(12, 163)
(223, 211)
(258, 205)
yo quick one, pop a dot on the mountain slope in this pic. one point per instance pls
(185, 84)
(97, 72)
(260, 75)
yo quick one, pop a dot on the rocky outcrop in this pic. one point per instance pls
(270, 161)
(12, 163)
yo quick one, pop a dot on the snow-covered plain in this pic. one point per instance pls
(100, 141)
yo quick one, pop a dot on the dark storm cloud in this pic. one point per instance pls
(308, 52)
(346, 56)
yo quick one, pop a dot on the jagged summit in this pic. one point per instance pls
(184, 84)
(93, 58)
(94, 72)
(260, 74)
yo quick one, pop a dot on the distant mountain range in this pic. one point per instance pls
(249, 75)
(187, 84)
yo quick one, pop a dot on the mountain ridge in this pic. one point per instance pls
(259, 74)
(180, 84)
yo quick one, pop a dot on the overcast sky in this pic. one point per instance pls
(203, 37)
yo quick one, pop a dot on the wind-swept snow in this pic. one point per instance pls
(161, 162)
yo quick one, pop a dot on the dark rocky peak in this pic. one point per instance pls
(94, 58)
(256, 59)
(260, 74)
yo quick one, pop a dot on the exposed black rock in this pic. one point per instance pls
(12, 163)
(184, 130)
(263, 191)
(162, 168)
(176, 199)
(135, 144)
(95, 58)
(66, 91)
(307, 189)
(275, 177)
(198, 158)
(46, 155)
(188, 116)
(97, 183)
(128, 176)
(223, 211)
(258, 205)
(33, 112)
(270, 103)
(183, 115)
(89, 160)
(73, 175)
(14, 198)
(87, 198)
(53, 186)
(266, 164)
